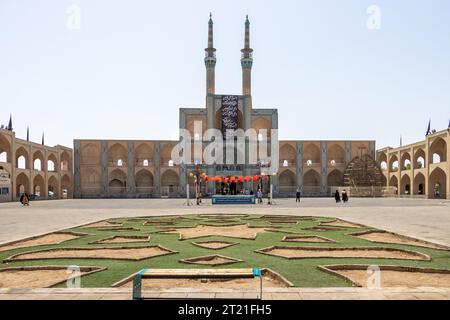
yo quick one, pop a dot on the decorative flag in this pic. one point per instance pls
(10, 127)
(429, 128)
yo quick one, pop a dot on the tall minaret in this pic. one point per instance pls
(247, 62)
(210, 60)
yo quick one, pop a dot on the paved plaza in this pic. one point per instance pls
(420, 218)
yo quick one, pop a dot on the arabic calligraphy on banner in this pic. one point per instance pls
(229, 115)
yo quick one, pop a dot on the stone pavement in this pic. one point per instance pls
(268, 294)
(420, 218)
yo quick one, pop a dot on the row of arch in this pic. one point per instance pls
(39, 163)
(143, 179)
(436, 184)
(56, 188)
(312, 180)
(144, 155)
(118, 155)
(437, 154)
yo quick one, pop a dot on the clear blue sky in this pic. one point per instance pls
(133, 63)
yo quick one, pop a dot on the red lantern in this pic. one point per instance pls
(255, 178)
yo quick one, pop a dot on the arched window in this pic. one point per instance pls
(407, 164)
(309, 163)
(333, 163)
(395, 166)
(3, 157)
(171, 163)
(383, 165)
(285, 163)
(436, 158)
(120, 163)
(37, 165)
(145, 163)
(420, 163)
(21, 162)
(50, 165)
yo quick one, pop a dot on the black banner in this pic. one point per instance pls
(229, 114)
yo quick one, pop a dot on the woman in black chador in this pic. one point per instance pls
(337, 196)
(344, 196)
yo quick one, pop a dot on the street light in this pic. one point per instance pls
(197, 174)
(271, 187)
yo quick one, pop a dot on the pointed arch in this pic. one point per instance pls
(117, 155)
(38, 161)
(5, 149)
(393, 182)
(438, 184)
(53, 188)
(419, 159)
(90, 153)
(405, 161)
(66, 187)
(419, 184)
(170, 181)
(22, 158)
(39, 187)
(66, 161)
(311, 181)
(22, 184)
(143, 154)
(144, 181)
(166, 154)
(394, 163)
(336, 153)
(335, 178)
(117, 182)
(438, 151)
(51, 163)
(311, 154)
(287, 181)
(405, 185)
(288, 155)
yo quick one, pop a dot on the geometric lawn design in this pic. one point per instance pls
(392, 276)
(117, 252)
(232, 231)
(212, 260)
(121, 253)
(214, 245)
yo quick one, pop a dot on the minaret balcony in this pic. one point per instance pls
(210, 62)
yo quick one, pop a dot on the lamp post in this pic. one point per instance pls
(197, 174)
(271, 187)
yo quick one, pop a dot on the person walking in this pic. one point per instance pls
(297, 196)
(259, 195)
(344, 196)
(337, 196)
